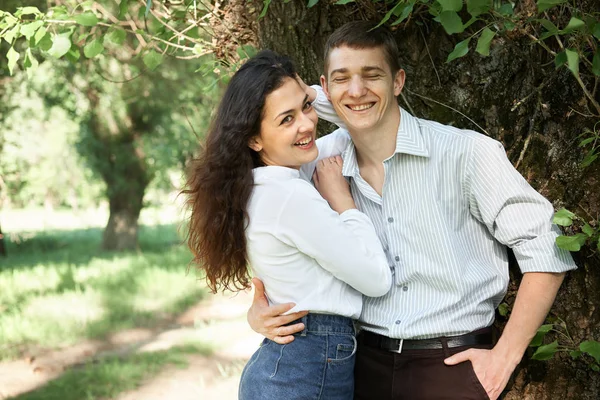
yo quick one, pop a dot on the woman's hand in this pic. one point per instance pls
(332, 185)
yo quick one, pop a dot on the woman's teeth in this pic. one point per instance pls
(303, 143)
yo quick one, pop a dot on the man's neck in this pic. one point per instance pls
(377, 143)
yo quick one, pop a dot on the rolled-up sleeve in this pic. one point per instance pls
(513, 212)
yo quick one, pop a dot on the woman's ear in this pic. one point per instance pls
(255, 144)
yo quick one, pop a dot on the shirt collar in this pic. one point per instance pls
(263, 174)
(409, 140)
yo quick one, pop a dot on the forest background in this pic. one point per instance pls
(104, 102)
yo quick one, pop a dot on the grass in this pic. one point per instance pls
(57, 288)
(112, 375)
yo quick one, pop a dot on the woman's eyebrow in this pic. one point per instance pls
(290, 110)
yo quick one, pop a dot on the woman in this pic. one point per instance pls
(249, 206)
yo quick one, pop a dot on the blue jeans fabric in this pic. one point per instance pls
(318, 364)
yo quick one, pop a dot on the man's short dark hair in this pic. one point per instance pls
(364, 35)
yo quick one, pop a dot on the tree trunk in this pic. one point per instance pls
(2, 247)
(513, 96)
(121, 232)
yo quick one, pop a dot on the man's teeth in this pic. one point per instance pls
(303, 143)
(361, 107)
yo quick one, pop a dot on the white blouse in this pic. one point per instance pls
(306, 253)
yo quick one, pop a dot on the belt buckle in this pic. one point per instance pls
(399, 350)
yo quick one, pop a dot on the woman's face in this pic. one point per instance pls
(288, 128)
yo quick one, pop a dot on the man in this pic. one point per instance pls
(445, 202)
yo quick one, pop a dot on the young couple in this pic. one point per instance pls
(413, 248)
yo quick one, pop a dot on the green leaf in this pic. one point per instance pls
(571, 243)
(12, 34)
(596, 31)
(543, 5)
(574, 24)
(87, 18)
(592, 348)
(39, 35)
(560, 59)
(312, 3)
(483, 44)
(246, 51)
(478, 7)
(148, 7)
(589, 159)
(73, 55)
(451, 5)
(460, 50)
(563, 217)
(342, 2)
(265, 8)
(451, 22)
(596, 63)
(30, 63)
(116, 36)
(575, 354)
(404, 14)
(538, 339)
(60, 45)
(506, 9)
(587, 141)
(123, 6)
(152, 60)
(387, 16)
(93, 48)
(546, 352)
(503, 309)
(573, 61)
(550, 27)
(28, 30)
(45, 43)
(588, 230)
(12, 57)
(27, 11)
(595, 367)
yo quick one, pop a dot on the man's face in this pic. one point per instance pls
(360, 85)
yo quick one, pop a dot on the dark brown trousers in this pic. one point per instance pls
(414, 375)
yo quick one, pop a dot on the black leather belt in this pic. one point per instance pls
(480, 337)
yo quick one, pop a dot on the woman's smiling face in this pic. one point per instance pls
(288, 128)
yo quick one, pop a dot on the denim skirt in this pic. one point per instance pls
(318, 364)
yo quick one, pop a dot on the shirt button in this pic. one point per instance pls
(390, 219)
(405, 288)
(397, 322)
(397, 258)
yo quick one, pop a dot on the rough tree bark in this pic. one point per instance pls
(512, 96)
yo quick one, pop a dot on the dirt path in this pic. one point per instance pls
(218, 321)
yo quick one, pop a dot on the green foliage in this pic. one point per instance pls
(587, 351)
(581, 233)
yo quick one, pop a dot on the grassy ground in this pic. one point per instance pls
(57, 288)
(80, 323)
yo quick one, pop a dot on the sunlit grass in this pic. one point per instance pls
(58, 288)
(110, 376)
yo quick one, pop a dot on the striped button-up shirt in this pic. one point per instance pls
(451, 204)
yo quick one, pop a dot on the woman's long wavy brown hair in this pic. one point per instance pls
(220, 180)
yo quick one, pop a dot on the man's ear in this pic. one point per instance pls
(255, 144)
(399, 82)
(324, 86)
